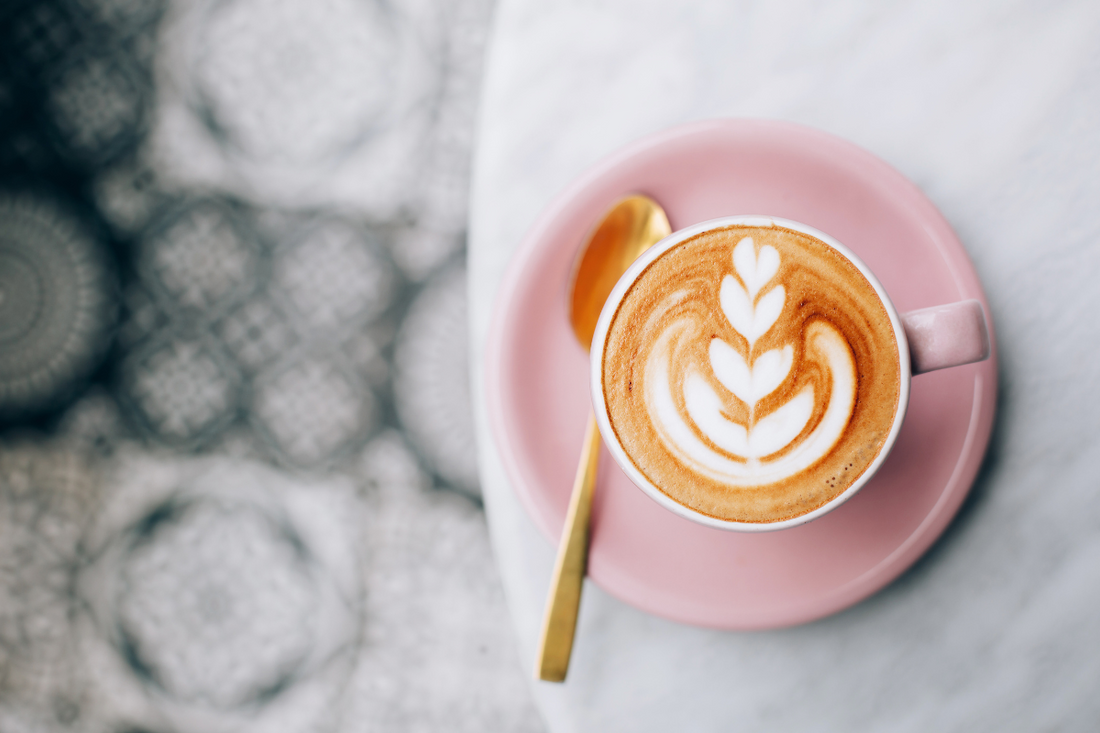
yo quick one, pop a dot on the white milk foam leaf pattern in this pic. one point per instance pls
(749, 383)
(761, 374)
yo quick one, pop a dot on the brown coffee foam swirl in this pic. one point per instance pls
(660, 342)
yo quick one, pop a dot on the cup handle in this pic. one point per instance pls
(946, 335)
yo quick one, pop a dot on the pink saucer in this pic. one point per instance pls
(537, 380)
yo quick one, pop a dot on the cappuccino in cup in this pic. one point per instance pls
(750, 373)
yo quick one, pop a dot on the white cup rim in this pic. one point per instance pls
(611, 307)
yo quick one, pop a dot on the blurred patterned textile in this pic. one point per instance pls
(238, 488)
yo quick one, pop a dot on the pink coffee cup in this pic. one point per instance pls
(929, 339)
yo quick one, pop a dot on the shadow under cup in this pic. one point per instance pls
(767, 402)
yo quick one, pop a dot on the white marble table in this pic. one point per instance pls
(993, 109)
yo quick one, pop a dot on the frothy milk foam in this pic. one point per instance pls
(751, 373)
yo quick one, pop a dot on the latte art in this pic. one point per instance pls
(751, 373)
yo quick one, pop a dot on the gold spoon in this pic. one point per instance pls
(630, 227)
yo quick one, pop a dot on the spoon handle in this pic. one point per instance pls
(560, 620)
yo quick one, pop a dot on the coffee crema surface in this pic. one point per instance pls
(751, 373)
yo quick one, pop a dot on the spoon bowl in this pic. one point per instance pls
(631, 226)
